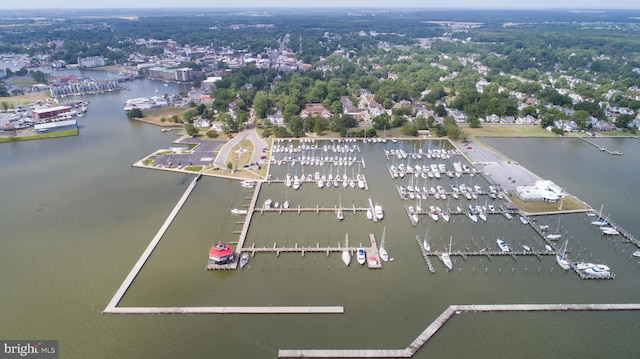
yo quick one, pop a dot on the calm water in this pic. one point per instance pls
(76, 217)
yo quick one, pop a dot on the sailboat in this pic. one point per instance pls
(285, 205)
(425, 242)
(346, 256)
(369, 214)
(561, 258)
(555, 236)
(383, 252)
(339, 212)
(446, 258)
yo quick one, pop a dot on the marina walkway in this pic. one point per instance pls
(439, 322)
(228, 310)
(111, 307)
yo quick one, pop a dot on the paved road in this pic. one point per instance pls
(248, 134)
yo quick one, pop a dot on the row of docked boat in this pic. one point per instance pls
(433, 171)
(606, 228)
(337, 161)
(420, 153)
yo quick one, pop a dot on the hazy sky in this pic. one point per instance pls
(505, 4)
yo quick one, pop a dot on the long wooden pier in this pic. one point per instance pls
(440, 321)
(601, 148)
(111, 307)
(243, 234)
(228, 310)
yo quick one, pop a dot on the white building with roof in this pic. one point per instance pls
(541, 190)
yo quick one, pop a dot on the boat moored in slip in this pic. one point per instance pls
(524, 220)
(384, 255)
(526, 247)
(561, 257)
(244, 259)
(445, 257)
(346, 256)
(507, 215)
(378, 212)
(610, 231)
(239, 211)
(361, 255)
(503, 245)
(267, 203)
(636, 254)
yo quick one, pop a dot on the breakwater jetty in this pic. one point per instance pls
(111, 307)
(440, 321)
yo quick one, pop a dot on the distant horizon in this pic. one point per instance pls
(564, 5)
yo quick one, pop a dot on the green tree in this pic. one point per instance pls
(623, 120)
(261, 104)
(190, 129)
(134, 113)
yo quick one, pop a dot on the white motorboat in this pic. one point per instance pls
(636, 254)
(267, 203)
(503, 245)
(548, 247)
(239, 211)
(320, 183)
(244, 259)
(361, 255)
(248, 183)
(340, 214)
(524, 220)
(507, 215)
(369, 214)
(472, 216)
(610, 231)
(285, 205)
(600, 222)
(526, 247)
(346, 256)
(378, 211)
(561, 258)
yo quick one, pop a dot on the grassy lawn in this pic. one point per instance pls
(24, 99)
(65, 133)
(568, 204)
(153, 116)
(508, 131)
(241, 154)
(23, 81)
